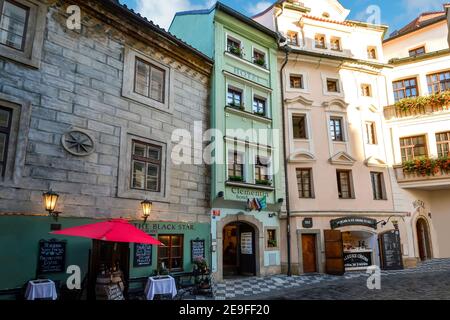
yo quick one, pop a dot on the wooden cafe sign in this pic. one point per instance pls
(353, 221)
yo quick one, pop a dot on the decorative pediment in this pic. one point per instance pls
(302, 157)
(335, 105)
(373, 108)
(375, 162)
(299, 99)
(342, 158)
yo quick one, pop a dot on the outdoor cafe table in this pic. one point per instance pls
(41, 289)
(160, 285)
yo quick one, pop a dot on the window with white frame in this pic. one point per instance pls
(320, 41)
(372, 52)
(333, 85)
(296, 81)
(335, 44)
(259, 106)
(149, 80)
(22, 25)
(259, 58)
(336, 129)
(235, 97)
(235, 166)
(234, 46)
(262, 171)
(146, 166)
(366, 90)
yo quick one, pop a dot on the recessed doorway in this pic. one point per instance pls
(239, 256)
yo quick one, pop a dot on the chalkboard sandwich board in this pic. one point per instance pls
(197, 249)
(113, 292)
(391, 252)
(52, 256)
(142, 255)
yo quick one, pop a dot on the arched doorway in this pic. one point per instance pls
(423, 239)
(239, 256)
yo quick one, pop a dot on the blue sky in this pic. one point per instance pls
(395, 13)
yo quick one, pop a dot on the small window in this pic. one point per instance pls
(366, 90)
(292, 38)
(234, 98)
(413, 148)
(5, 131)
(417, 52)
(335, 44)
(296, 81)
(438, 82)
(304, 182)
(149, 80)
(235, 166)
(272, 238)
(320, 42)
(378, 186)
(405, 89)
(372, 53)
(170, 254)
(333, 85)
(13, 25)
(146, 166)
(299, 126)
(326, 15)
(443, 144)
(344, 180)
(259, 58)
(262, 171)
(336, 129)
(371, 133)
(234, 47)
(259, 106)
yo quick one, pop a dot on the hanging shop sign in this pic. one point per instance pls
(142, 255)
(353, 221)
(197, 249)
(52, 256)
(246, 243)
(155, 228)
(357, 259)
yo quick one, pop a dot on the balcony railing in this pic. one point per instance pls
(418, 180)
(395, 112)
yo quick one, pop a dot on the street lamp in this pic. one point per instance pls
(146, 209)
(50, 199)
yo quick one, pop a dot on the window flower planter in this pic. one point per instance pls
(264, 182)
(435, 101)
(235, 179)
(427, 167)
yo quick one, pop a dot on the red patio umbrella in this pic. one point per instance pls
(114, 230)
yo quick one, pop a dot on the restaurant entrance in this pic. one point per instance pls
(423, 239)
(239, 256)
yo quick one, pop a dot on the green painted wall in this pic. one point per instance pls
(20, 236)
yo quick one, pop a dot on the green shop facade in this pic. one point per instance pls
(247, 190)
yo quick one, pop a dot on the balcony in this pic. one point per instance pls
(433, 179)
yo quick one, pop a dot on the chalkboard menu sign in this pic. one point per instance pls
(142, 255)
(357, 259)
(52, 256)
(197, 249)
(113, 292)
(391, 253)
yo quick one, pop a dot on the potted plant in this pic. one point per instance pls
(237, 51)
(236, 178)
(260, 61)
(272, 243)
(264, 182)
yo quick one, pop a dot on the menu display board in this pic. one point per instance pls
(246, 243)
(113, 292)
(142, 255)
(357, 259)
(52, 256)
(391, 253)
(197, 249)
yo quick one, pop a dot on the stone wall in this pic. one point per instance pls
(79, 86)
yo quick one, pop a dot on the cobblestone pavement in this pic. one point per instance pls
(430, 280)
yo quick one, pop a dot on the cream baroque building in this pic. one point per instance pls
(346, 193)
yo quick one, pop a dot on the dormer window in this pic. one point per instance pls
(326, 15)
(320, 41)
(335, 43)
(234, 46)
(372, 53)
(417, 52)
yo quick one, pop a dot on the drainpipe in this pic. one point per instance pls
(286, 180)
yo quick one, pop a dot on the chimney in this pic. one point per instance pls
(447, 13)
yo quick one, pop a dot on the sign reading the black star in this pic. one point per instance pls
(78, 143)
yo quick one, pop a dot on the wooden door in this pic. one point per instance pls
(334, 252)
(247, 255)
(309, 253)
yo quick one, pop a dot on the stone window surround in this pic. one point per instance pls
(304, 75)
(325, 77)
(18, 139)
(278, 238)
(34, 36)
(129, 80)
(124, 189)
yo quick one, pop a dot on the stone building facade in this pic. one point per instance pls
(75, 123)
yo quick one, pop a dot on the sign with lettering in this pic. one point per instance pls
(249, 76)
(154, 228)
(246, 243)
(353, 221)
(357, 259)
(52, 256)
(113, 292)
(243, 194)
(391, 251)
(307, 223)
(142, 255)
(197, 249)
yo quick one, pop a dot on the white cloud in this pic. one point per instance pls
(419, 6)
(258, 7)
(162, 12)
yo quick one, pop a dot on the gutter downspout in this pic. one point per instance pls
(286, 180)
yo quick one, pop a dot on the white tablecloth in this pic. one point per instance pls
(41, 290)
(160, 286)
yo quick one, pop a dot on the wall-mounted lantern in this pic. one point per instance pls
(50, 199)
(146, 209)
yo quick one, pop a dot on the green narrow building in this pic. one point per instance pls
(247, 190)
